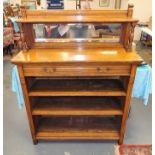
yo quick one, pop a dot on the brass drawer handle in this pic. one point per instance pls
(50, 70)
(107, 69)
(101, 70)
(98, 69)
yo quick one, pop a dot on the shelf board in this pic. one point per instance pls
(77, 106)
(77, 87)
(58, 128)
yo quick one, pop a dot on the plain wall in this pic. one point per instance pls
(142, 9)
(71, 4)
(142, 12)
(94, 4)
(15, 2)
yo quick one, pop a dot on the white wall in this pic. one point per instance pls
(142, 12)
(71, 4)
(6, 1)
(142, 8)
(124, 4)
(15, 1)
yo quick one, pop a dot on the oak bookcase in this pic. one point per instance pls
(77, 90)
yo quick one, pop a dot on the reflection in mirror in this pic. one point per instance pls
(77, 32)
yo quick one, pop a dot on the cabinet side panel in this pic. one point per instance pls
(127, 103)
(27, 103)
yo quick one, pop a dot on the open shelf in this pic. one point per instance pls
(77, 87)
(77, 106)
(59, 128)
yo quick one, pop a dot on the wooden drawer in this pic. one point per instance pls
(76, 70)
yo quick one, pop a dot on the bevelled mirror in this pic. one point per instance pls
(77, 32)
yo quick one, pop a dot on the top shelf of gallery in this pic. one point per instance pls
(78, 16)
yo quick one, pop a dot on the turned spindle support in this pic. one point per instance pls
(130, 10)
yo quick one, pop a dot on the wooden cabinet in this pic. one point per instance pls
(73, 94)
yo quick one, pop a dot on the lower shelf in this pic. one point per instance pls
(78, 128)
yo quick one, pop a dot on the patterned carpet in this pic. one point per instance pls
(134, 150)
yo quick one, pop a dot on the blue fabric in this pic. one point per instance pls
(143, 83)
(15, 25)
(16, 87)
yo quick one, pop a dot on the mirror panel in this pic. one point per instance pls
(77, 32)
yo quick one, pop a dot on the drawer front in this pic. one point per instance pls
(95, 70)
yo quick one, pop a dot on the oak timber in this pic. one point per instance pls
(77, 91)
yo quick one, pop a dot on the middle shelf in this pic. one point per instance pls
(76, 106)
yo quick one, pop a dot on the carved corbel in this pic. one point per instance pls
(131, 28)
(22, 45)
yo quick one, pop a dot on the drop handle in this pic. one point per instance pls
(50, 70)
(99, 69)
(103, 70)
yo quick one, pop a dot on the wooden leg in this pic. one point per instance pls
(35, 142)
(120, 142)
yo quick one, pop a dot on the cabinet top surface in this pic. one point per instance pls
(104, 55)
